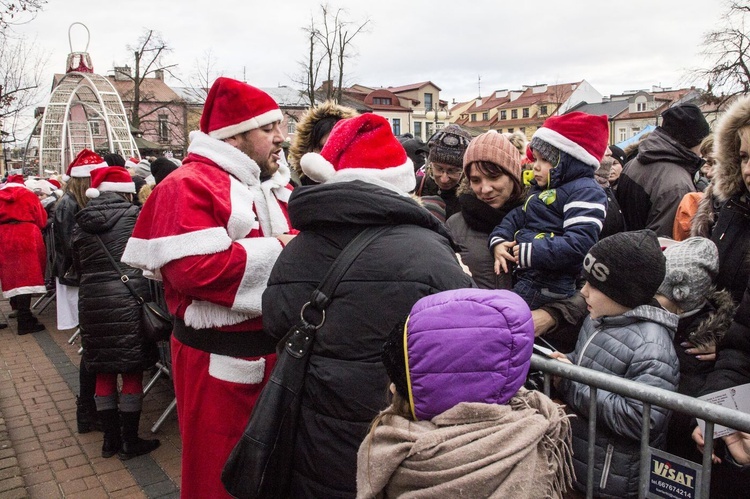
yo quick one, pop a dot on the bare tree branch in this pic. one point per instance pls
(21, 66)
(16, 12)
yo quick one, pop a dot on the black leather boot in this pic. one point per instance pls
(132, 445)
(112, 442)
(27, 323)
(87, 417)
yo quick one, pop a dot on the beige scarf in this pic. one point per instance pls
(472, 450)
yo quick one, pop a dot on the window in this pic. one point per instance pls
(291, 127)
(514, 114)
(634, 131)
(95, 128)
(526, 112)
(383, 101)
(510, 130)
(640, 106)
(163, 128)
(473, 117)
(543, 110)
(485, 116)
(418, 129)
(622, 133)
(503, 115)
(522, 130)
(396, 126)
(428, 129)
(427, 101)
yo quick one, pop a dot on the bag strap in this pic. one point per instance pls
(125, 279)
(321, 297)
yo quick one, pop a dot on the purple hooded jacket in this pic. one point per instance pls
(466, 345)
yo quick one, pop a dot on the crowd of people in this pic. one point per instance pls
(634, 263)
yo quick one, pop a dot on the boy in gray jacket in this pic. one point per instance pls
(629, 335)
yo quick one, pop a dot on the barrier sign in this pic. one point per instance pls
(672, 477)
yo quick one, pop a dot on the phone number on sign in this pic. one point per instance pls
(664, 486)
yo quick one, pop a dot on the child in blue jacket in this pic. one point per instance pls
(549, 235)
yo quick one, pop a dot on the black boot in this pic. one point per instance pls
(87, 417)
(27, 323)
(133, 446)
(112, 443)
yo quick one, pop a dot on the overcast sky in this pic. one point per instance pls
(615, 46)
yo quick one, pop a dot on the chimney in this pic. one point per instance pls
(499, 94)
(159, 74)
(479, 101)
(122, 73)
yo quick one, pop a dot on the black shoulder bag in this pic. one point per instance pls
(260, 465)
(155, 321)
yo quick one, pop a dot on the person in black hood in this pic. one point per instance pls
(110, 316)
(365, 176)
(653, 184)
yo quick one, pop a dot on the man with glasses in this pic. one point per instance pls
(444, 169)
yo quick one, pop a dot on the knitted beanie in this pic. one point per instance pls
(686, 124)
(498, 150)
(546, 151)
(447, 146)
(618, 154)
(692, 267)
(628, 267)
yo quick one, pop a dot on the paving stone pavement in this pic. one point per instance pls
(41, 453)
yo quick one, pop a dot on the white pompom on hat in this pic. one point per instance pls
(84, 163)
(362, 148)
(110, 179)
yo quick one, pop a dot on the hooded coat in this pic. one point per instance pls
(23, 256)
(730, 197)
(346, 383)
(109, 314)
(653, 184)
(636, 345)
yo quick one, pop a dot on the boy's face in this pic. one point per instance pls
(599, 304)
(541, 171)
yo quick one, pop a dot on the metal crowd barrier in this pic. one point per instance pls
(164, 365)
(710, 413)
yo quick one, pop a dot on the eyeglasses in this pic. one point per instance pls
(438, 170)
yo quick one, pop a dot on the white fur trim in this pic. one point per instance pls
(399, 177)
(242, 219)
(229, 158)
(13, 184)
(316, 167)
(247, 125)
(262, 253)
(282, 193)
(126, 187)
(204, 314)
(92, 193)
(84, 171)
(234, 370)
(152, 254)
(563, 143)
(272, 219)
(24, 290)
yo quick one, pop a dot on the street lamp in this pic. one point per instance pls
(436, 113)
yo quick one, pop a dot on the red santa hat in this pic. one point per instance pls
(15, 179)
(583, 136)
(110, 179)
(55, 183)
(234, 107)
(362, 148)
(82, 166)
(131, 162)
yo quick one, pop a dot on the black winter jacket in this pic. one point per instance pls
(63, 222)
(346, 384)
(732, 237)
(110, 317)
(653, 184)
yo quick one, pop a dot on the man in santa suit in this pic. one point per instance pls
(212, 230)
(23, 256)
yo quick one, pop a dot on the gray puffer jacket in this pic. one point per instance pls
(636, 346)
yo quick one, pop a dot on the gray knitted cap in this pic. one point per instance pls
(692, 267)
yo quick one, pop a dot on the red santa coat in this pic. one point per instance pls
(209, 230)
(22, 252)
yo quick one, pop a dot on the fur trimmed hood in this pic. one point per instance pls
(303, 134)
(728, 179)
(713, 327)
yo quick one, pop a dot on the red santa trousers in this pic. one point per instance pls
(215, 396)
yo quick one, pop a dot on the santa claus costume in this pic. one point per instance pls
(209, 231)
(22, 253)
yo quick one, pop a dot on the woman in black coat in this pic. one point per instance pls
(109, 314)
